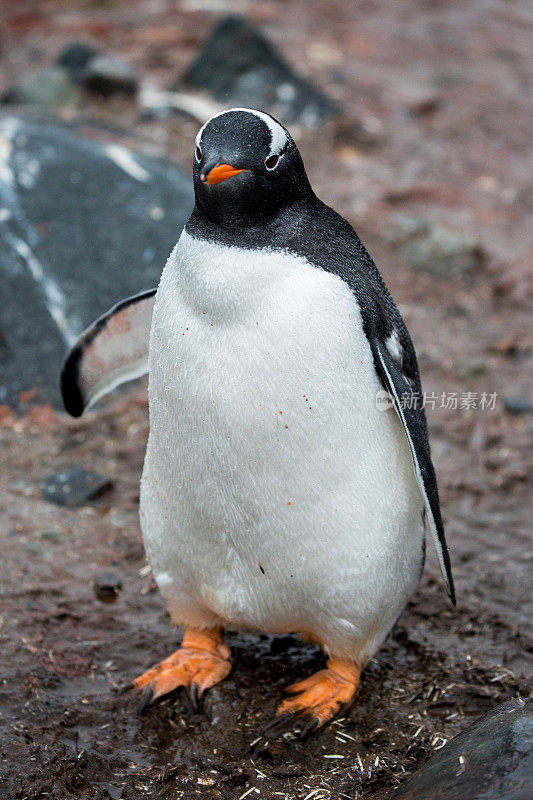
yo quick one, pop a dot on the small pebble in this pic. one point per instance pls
(106, 586)
(517, 405)
(51, 535)
(73, 486)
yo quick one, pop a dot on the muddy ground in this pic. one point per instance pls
(443, 88)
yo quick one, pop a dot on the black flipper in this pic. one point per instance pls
(408, 404)
(112, 351)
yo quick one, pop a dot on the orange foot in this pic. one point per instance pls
(317, 700)
(201, 661)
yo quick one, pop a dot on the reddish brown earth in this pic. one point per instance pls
(443, 88)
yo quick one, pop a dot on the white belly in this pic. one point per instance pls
(275, 496)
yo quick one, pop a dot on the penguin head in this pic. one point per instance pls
(246, 168)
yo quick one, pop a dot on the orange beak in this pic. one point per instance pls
(219, 173)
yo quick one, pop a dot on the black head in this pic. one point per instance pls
(246, 168)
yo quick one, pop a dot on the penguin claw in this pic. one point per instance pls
(195, 696)
(146, 698)
(281, 723)
(123, 688)
(311, 727)
(291, 723)
(285, 723)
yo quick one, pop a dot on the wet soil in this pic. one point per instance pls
(64, 730)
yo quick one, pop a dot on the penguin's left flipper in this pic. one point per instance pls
(316, 700)
(408, 405)
(112, 351)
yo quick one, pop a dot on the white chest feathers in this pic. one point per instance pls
(275, 494)
(259, 322)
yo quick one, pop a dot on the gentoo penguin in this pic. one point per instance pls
(278, 495)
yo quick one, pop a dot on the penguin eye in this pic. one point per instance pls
(198, 154)
(271, 162)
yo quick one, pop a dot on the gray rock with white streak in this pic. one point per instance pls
(84, 222)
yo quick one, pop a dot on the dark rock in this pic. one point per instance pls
(73, 486)
(106, 586)
(490, 760)
(46, 88)
(106, 75)
(98, 72)
(75, 58)
(239, 67)
(517, 405)
(83, 225)
(430, 247)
